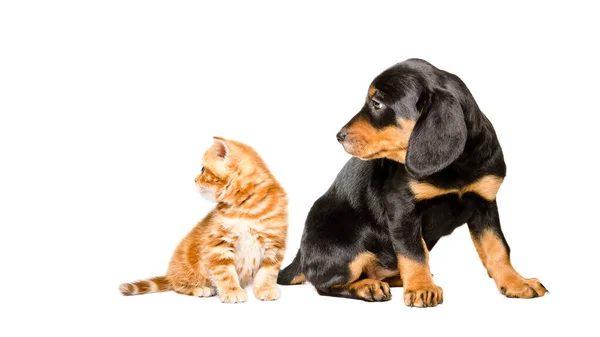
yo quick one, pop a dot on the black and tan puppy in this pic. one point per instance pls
(427, 160)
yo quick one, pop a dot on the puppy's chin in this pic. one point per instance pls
(208, 195)
(349, 149)
(353, 150)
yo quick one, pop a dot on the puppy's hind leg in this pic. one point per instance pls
(394, 281)
(369, 290)
(356, 279)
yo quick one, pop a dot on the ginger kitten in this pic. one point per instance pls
(241, 240)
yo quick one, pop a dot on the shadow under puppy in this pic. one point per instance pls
(426, 160)
(241, 241)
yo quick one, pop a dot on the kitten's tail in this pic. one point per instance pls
(292, 274)
(153, 285)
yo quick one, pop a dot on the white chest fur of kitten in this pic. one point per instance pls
(248, 251)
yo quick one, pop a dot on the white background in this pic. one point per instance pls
(107, 106)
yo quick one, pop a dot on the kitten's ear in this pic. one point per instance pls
(221, 147)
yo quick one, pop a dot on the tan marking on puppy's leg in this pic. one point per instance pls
(394, 281)
(379, 272)
(419, 288)
(298, 279)
(495, 258)
(367, 263)
(369, 290)
(361, 263)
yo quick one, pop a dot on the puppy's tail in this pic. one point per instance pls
(153, 285)
(292, 274)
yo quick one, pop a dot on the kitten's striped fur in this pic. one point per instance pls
(241, 241)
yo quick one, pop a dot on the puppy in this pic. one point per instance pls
(426, 160)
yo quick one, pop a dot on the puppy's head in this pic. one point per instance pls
(407, 117)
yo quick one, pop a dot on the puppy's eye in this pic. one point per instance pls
(202, 171)
(376, 105)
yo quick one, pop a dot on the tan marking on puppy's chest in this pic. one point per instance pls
(486, 187)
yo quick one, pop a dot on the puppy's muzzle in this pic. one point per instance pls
(341, 136)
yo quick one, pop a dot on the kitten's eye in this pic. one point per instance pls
(376, 105)
(202, 171)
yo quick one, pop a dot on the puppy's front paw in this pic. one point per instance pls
(424, 296)
(518, 287)
(267, 293)
(235, 295)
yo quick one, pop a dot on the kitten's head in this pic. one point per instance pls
(225, 161)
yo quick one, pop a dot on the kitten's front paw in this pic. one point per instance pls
(235, 295)
(266, 293)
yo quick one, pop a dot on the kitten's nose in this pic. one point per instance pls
(341, 136)
(196, 179)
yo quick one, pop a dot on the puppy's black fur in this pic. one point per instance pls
(395, 197)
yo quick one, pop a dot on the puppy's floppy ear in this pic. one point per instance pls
(438, 138)
(221, 147)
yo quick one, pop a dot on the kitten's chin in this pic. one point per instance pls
(208, 195)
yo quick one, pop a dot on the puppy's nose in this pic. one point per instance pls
(341, 136)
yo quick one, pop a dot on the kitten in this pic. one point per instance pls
(241, 240)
